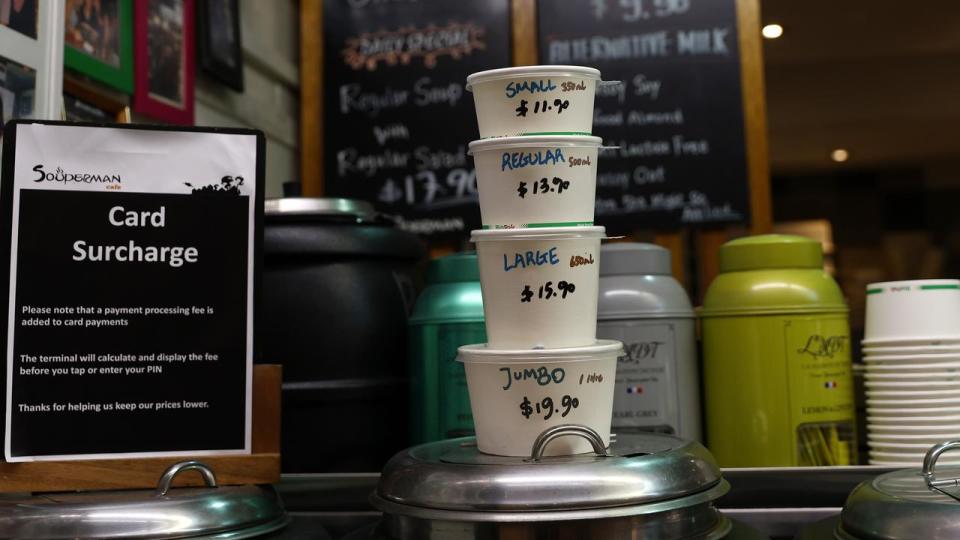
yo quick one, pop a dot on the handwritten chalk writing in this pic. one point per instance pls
(383, 134)
(571, 86)
(354, 99)
(644, 87)
(400, 47)
(427, 158)
(518, 160)
(664, 118)
(542, 106)
(694, 206)
(601, 118)
(614, 180)
(430, 95)
(430, 225)
(659, 44)
(350, 161)
(698, 42)
(532, 87)
(542, 375)
(546, 407)
(618, 91)
(543, 186)
(529, 259)
(684, 147)
(577, 260)
(546, 291)
(424, 187)
(644, 175)
(644, 149)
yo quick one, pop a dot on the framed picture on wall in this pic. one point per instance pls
(98, 35)
(218, 41)
(31, 59)
(163, 52)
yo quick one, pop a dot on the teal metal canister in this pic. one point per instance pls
(448, 314)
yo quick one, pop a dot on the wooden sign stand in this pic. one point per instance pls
(260, 467)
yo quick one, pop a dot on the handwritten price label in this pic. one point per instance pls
(544, 186)
(547, 408)
(542, 106)
(546, 291)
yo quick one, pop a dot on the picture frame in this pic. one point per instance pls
(31, 60)
(85, 101)
(98, 41)
(164, 60)
(219, 43)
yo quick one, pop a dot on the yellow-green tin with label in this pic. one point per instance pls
(778, 379)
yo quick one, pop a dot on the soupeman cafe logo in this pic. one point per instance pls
(83, 178)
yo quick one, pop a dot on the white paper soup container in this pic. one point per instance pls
(912, 359)
(534, 100)
(925, 308)
(911, 385)
(923, 421)
(898, 351)
(907, 426)
(548, 181)
(539, 286)
(515, 395)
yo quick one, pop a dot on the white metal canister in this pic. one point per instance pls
(642, 305)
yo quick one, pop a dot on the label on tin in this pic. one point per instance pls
(455, 416)
(647, 394)
(820, 389)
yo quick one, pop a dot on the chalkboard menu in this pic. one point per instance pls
(397, 116)
(677, 119)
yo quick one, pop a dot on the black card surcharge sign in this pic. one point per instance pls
(132, 256)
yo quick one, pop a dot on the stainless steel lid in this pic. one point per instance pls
(213, 512)
(638, 474)
(361, 211)
(906, 504)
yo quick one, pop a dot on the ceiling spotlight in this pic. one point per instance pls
(840, 155)
(772, 31)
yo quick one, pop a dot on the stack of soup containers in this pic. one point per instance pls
(911, 349)
(539, 255)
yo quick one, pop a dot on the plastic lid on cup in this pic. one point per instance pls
(770, 251)
(531, 71)
(538, 233)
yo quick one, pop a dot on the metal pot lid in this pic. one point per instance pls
(315, 207)
(637, 474)
(906, 504)
(233, 513)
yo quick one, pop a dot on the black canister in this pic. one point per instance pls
(338, 288)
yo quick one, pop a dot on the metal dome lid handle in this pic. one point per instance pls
(929, 473)
(562, 430)
(163, 486)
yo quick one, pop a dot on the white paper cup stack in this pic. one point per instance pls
(539, 257)
(911, 352)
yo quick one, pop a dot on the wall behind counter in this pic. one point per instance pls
(270, 100)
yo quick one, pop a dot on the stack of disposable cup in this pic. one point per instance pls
(539, 256)
(911, 352)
